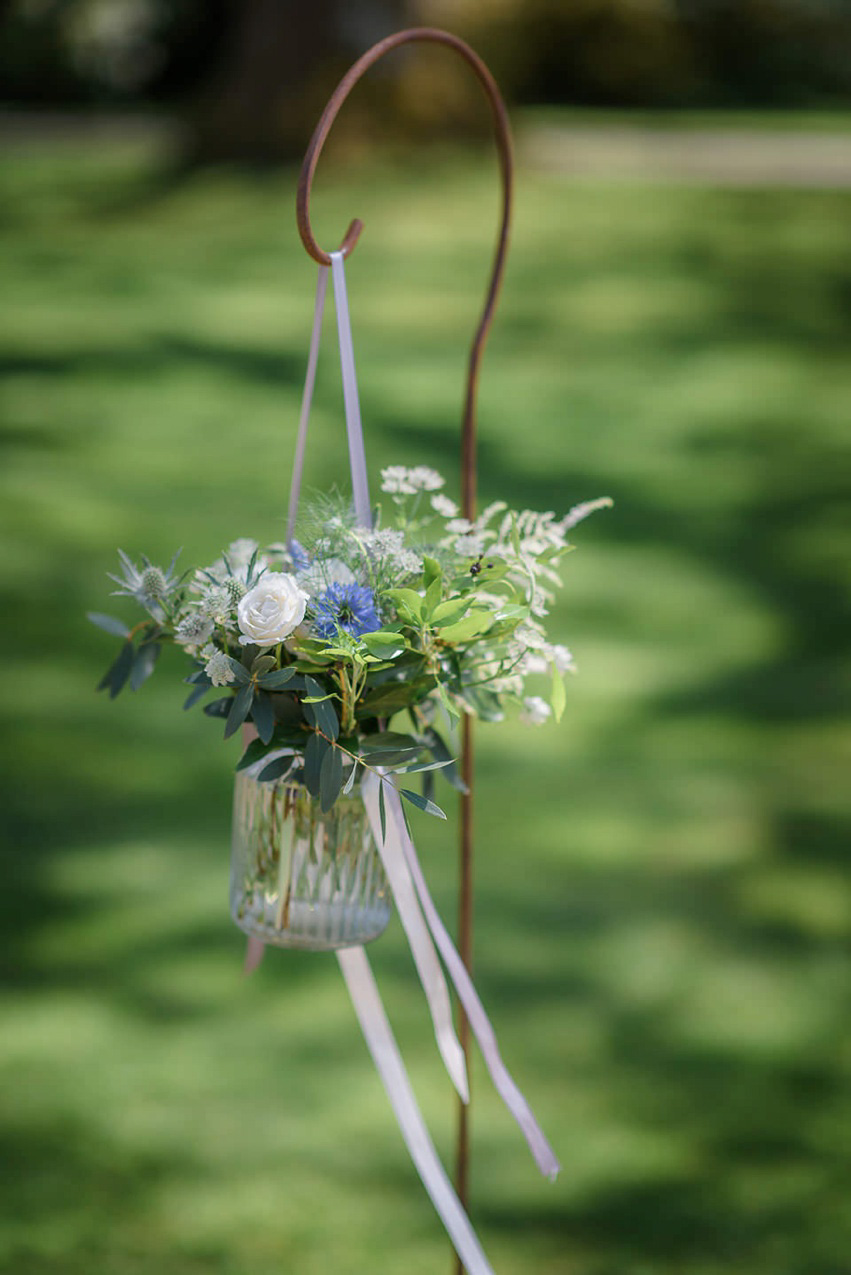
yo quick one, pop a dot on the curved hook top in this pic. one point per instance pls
(502, 135)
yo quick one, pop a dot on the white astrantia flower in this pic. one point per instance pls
(544, 658)
(400, 481)
(562, 659)
(193, 630)
(271, 610)
(534, 662)
(218, 669)
(382, 542)
(469, 546)
(385, 549)
(396, 481)
(425, 479)
(535, 711)
(531, 635)
(444, 506)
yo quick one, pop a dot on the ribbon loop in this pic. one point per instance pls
(351, 400)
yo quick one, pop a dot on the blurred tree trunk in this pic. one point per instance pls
(278, 62)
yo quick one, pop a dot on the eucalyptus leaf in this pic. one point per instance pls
(263, 715)
(197, 693)
(385, 739)
(197, 678)
(440, 752)
(218, 707)
(119, 671)
(255, 750)
(314, 755)
(109, 624)
(392, 757)
(276, 769)
(421, 803)
(425, 765)
(321, 710)
(350, 782)
(239, 671)
(276, 680)
(143, 663)
(263, 664)
(330, 778)
(239, 710)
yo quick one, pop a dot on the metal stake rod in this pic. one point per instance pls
(502, 136)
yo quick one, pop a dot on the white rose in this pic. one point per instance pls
(272, 610)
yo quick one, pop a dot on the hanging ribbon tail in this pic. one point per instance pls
(354, 430)
(388, 1061)
(545, 1157)
(418, 934)
(255, 950)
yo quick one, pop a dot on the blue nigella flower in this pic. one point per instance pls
(298, 553)
(345, 606)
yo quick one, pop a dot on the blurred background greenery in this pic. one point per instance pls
(663, 905)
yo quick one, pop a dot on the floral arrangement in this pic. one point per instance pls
(320, 642)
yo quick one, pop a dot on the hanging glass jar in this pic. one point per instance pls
(300, 877)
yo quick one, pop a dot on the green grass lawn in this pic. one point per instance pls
(663, 902)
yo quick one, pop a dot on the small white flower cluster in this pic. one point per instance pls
(387, 547)
(529, 543)
(193, 630)
(218, 667)
(535, 711)
(444, 506)
(547, 657)
(397, 480)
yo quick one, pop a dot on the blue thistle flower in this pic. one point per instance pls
(350, 607)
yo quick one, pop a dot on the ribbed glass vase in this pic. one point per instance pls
(301, 878)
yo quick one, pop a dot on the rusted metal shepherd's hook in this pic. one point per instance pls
(502, 134)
